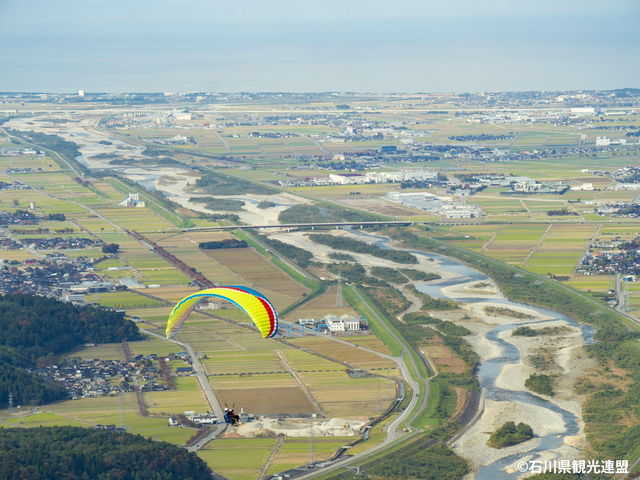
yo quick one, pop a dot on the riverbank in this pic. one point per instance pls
(556, 421)
(564, 356)
(178, 186)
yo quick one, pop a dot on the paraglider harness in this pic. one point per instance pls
(230, 417)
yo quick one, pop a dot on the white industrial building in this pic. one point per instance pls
(131, 283)
(348, 178)
(586, 187)
(403, 176)
(383, 177)
(133, 200)
(410, 197)
(605, 141)
(345, 323)
(584, 111)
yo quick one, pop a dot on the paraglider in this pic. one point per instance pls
(251, 302)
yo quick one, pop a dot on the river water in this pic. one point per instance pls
(490, 369)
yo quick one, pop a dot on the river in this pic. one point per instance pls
(490, 369)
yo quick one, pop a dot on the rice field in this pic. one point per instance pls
(238, 459)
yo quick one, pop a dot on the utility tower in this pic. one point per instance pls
(11, 409)
(339, 297)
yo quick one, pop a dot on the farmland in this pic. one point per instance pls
(262, 375)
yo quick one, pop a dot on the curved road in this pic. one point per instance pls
(393, 434)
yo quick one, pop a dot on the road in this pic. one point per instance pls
(201, 375)
(405, 371)
(294, 225)
(394, 434)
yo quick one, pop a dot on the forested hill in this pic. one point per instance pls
(35, 329)
(38, 326)
(76, 453)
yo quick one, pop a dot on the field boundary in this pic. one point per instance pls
(544, 235)
(302, 386)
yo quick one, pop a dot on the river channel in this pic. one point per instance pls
(490, 369)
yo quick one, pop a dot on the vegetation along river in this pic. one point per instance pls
(490, 369)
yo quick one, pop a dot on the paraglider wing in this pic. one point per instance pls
(251, 302)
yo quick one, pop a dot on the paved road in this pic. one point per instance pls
(295, 225)
(201, 375)
(393, 432)
(405, 370)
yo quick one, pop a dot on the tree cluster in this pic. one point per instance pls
(33, 327)
(352, 245)
(561, 212)
(534, 332)
(52, 142)
(510, 434)
(110, 248)
(226, 243)
(264, 204)
(76, 453)
(56, 217)
(443, 326)
(539, 383)
(356, 274)
(219, 204)
(219, 184)
(326, 214)
(299, 255)
(434, 463)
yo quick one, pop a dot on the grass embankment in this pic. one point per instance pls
(442, 400)
(369, 311)
(317, 287)
(611, 414)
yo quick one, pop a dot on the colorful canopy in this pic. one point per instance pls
(251, 302)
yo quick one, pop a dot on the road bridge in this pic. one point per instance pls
(298, 225)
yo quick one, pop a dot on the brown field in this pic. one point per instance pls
(369, 341)
(394, 305)
(444, 358)
(253, 268)
(172, 294)
(186, 249)
(267, 401)
(343, 353)
(341, 396)
(320, 307)
(381, 207)
(243, 362)
(302, 361)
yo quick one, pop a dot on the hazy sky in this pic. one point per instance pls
(331, 45)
